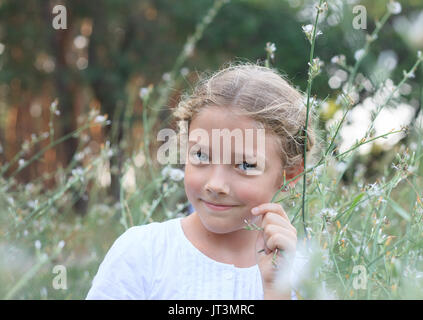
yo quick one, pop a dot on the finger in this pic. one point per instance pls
(270, 230)
(282, 242)
(272, 207)
(274, 218)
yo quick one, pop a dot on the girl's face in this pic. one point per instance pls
(209, 185)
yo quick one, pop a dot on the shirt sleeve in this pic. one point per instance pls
(125, 271)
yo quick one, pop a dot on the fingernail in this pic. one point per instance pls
(255, 210)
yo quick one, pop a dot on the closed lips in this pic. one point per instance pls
(220, 205)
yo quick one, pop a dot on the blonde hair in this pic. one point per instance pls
(261, 93)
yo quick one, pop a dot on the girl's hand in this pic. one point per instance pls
(275, 242)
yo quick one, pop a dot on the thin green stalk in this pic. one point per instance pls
(369, 41)
(309, 85)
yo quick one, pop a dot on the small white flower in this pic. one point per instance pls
(43, 292)
(33, 203)
(394, 7)
(409, 75)
(309, 30)
(188, 50)
(270, 48)
(359, 54)
(99, 119)
(21, 163)
(184, 71)
(165, 171)
(37, 244)
(166, 76)
(374, 190)
(419, 54)
(129, 181)
(144, 92)
(328, 212)
(53, 106)
(315, 67)
(78, 171)
(176, 174)
(11, 201)
(61, 244)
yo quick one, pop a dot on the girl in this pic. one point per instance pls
(210, 254)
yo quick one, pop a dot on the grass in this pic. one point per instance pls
(362, 236)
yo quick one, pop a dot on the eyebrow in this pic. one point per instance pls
(232, 153)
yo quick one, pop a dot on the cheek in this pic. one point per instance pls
(192, 181)
(255, 193)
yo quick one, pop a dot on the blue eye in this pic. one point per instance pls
(246, 166)
(201, 156)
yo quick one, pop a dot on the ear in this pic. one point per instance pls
(293, 172)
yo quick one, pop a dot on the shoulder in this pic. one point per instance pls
(149, 239)
(128, 267)
(142, 236)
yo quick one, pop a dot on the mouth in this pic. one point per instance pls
(217, 207)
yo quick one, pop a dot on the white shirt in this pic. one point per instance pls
(157, 261)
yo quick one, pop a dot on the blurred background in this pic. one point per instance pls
(80, 109)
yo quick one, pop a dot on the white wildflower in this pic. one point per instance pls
(43, 292)
(139, 159)
(408, 75)
(176, 174)
(188, 49)
(53, 106)
(309, 30)
(144, 92)
(359, 54)
(78, 172)
(33, 203)
(37, 244)
(340, 59)
(374, 189)
(270, 48)
(21, 163)
(166, 76)
(184, 71)
(328, 212)
(165, 171)
(315, 67)
(394, 7)
(128, 181)
(100, 118)
(61, 244)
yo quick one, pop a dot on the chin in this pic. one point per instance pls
(219, 223)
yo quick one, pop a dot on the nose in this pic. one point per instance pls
(216, 184)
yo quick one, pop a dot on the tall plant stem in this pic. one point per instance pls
(310, 81)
